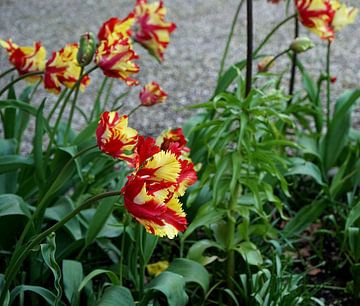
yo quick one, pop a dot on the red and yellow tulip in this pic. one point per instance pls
(325, 17)
(152, 31)
(26, 59)
(152, 94)
(114, 56)
(120, 27)
(63, 69)
(151, 192)
(115, 138)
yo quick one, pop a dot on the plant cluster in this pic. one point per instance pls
(269, 177)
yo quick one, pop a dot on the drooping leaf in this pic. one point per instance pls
(116, 296)
(46, 294)
(192, 271)
(48, 250)
(12, 204)
(171, 285)
(110, 274)
(250, 253)
(303, 167)
(196, 251)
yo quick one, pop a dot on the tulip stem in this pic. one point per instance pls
(97, 100)
(19, 79)
(6, 72)
(293, 63)
(328, 90)
(276, 57)
(73, 104)
(17, 260)
(223, 59)
(249, 55)
(122, 249)
(134, 109)
(263, 43)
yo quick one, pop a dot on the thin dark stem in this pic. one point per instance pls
(6, 72)
(275, 58)
(14, 267)
(122, 248)
(273, 31)
(134, 109)
(72, 110)
(293, 63)
(223, 59)
(249, 55)
(19, 79)
(328, 80)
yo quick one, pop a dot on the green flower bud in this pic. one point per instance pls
(86, 49)
(301, 44)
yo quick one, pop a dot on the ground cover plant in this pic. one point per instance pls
(254, 201)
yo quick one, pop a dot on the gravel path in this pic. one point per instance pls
(192, 59)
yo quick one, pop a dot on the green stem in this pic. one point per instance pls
(273, 31)
(134, 109)
(108, 92)
(14, 267)
(19, 79)
(42, 205)
(35, 90)
(73, 104)
(328, 79)
(249, 37)
(122, 248)
(53, 132)
(223, 59)
(56, 105)
(276, 57)
(97, 100)
(6, 72)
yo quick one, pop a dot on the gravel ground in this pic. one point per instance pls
(192, 60)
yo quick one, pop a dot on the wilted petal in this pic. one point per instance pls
(152, 94)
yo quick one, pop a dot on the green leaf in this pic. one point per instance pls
(48, 253)
(205, 216)
(12, 204)
(9, 117)
(353, 215)
(10, 163)
(46, 294)
(304, 217)
(303, 167)
(110, 274)
(353, 234)
(22, 119)
(99, 219)
(72, 277)
(170, 284)
(196, 251)
(192, 271)
(73, 150)
(8, 181)
(116, 296)
(38, 144)
(338, 130)
(250, 253)
(87, 133)
(61, 209)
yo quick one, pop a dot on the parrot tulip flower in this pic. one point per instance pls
(26, 59)
(121, 27)
(115, 138)
(151, 29)
(152, 94)
(63, 69)
(114, 56)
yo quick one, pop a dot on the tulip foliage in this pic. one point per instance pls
(222, 210)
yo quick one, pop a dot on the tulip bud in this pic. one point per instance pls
(266, 63)
(86, 48)
(301, 44)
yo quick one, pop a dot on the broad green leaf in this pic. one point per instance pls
(72, 277)
(103, 211)
(303, 218)
(8, 181)
(9, 116)
(338, 130)
(22, 119)
(110, 274)
(12, 204)
(87, 133)
(353, 215)
(11, 103)
(73, 150)
(303, 167)
(204, 217)
(10, 163)
(197, 249)
(170, 284)
(116, 296)
(61, 209)
(192, 271)
(250, 253)
(353, 234)
(48, 250)
(46, 294)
